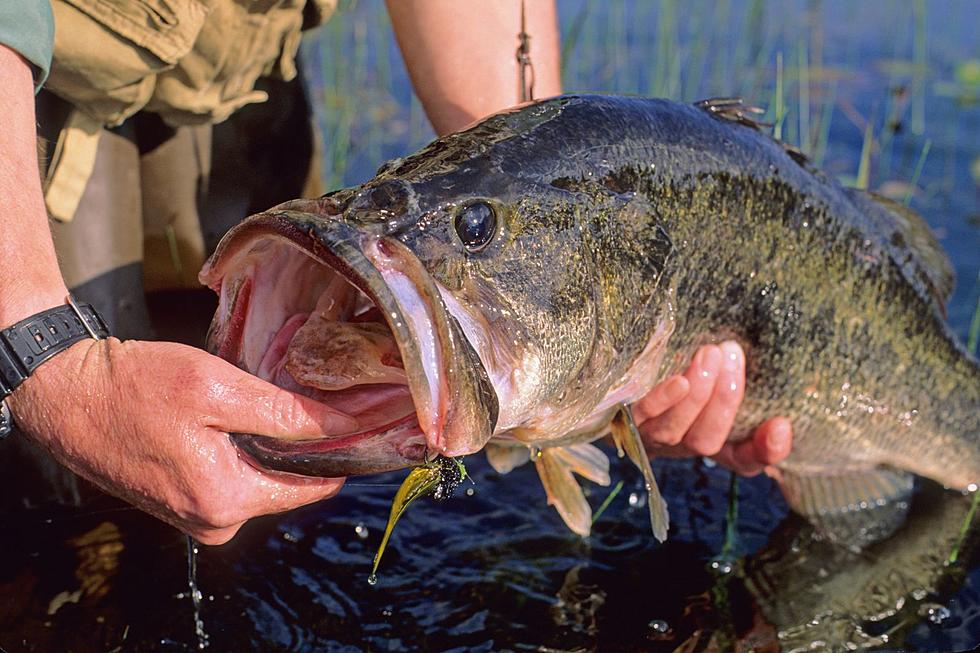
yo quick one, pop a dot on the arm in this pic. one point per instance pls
(461, 56)
(31, 281)
(146, 422)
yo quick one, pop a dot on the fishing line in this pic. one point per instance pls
(525, 67)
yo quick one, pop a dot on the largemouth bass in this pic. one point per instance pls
(516, 286)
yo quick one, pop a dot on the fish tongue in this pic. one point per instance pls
(332, 355)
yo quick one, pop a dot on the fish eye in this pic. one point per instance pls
(476, 225)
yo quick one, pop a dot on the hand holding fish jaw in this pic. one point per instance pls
(691, 414)
(148, 422)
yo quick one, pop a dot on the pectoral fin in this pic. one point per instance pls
(628, 441)
(854, 509)
(555, 467)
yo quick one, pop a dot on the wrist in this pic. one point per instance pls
(30, 343)
(23, 302)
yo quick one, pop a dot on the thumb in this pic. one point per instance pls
(240, 402)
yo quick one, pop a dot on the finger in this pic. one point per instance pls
(740, 458)
(240, 402)
(664, 396)
(670, 427)
(215, 536)
(247, 492)
(273, 493)
(670, 451)
(773, 440)
(708, 433)
(770, 444)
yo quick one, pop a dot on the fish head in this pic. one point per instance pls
(444, 301)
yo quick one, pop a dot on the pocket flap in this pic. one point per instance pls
(167, 28)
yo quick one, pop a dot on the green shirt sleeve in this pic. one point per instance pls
(27, 26)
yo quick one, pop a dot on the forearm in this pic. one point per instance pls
(461, 55)
(30, 280)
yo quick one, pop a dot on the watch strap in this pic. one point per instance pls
(32, 341)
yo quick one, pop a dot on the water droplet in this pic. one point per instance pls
(387, 612)
(289, 537)
(636, 499)
(721, 566)
(659, 626)
(373, 579)
(470, 491)
(971, 488)
(937, 614)
(362, 531)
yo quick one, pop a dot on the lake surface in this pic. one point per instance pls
(494, 569)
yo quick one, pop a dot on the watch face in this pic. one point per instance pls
(6, 421)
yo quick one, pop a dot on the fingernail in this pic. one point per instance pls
(710, 361)
(731, 356)
(779, 437)
(675, 389)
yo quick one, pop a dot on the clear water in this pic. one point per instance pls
(495, 569)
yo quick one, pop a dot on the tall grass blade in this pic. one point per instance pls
(777, 130)
(918, 120)
(804, 94)
(920, 164)
(864, 167)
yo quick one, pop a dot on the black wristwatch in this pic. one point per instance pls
(30, 342)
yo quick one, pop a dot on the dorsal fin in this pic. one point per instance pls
(734, 109)
(914, 246)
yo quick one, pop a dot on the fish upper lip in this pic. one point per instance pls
(349, 251)
(465, 406)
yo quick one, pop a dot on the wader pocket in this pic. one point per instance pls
(241, 41)
(109, 52)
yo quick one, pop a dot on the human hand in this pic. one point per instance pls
(692, 414)
(148, 422)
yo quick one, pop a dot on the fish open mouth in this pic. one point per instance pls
(353, 320)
